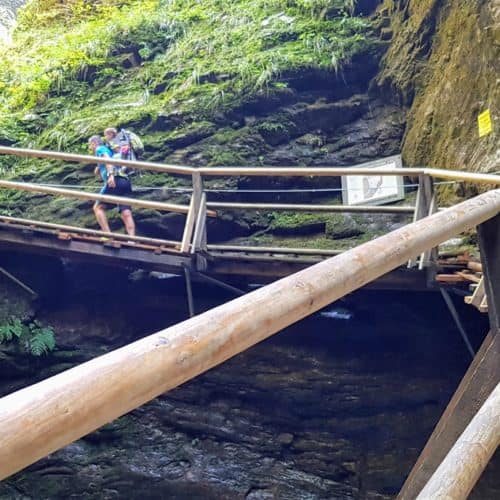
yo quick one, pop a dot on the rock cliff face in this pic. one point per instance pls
(443, 65)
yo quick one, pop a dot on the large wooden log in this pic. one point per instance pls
(42, 418)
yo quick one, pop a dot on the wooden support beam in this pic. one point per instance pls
(18, 282)
(489, 245)
(42, 418)
(199, 245)
(464, 464)
(194, 208)
(219, 283)
(126, 255)
(481, 378)
(430, 208)
(189, 292)
(425, 206)
(477, 297)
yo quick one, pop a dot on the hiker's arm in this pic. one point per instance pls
(109, 170)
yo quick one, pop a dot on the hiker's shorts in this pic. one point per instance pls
(122, 188)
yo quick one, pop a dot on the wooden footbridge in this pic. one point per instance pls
(45, 417)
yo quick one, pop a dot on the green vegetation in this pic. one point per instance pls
(33, 338)
(172, 70)
(77, 66)
(291, 220)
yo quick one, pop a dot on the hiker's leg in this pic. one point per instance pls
(100, 215)
(128, 221)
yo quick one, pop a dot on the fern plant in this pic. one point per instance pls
(33, 338)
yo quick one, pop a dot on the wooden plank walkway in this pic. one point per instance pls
(266, 264)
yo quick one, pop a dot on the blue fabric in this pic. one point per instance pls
(103, 151)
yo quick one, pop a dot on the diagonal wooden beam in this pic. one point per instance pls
(480, 380)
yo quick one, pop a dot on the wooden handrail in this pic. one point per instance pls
(260, 171)
(40, 419)
(307, 171)
(82, 195)
(312, 208)
(86, 159)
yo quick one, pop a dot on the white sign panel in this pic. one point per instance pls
(374, 189)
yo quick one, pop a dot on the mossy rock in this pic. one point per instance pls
(340, 226)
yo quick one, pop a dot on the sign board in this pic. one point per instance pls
(484, 123)
(374, 189)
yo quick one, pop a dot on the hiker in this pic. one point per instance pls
(124, 142)
(116, 183)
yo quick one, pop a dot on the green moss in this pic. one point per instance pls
(446, 74)
(171, 70)
(294, 219)
(123, 61)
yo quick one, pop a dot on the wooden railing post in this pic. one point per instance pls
(194, 207)
(425, 205)
(200, 235)
(489, 245)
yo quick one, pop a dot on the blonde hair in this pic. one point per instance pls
(111, 130)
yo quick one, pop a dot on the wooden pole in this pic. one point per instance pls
(18, 282)
(462, 467)
(307, 171)
(40, 419)
(312, 208)
(194, 209)
(260, 171)
(82, 195)
(86, 159)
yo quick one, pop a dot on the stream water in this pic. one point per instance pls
(337, 406)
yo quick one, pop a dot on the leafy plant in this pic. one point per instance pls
(33, 338)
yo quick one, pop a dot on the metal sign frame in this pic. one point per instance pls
(376, 189)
